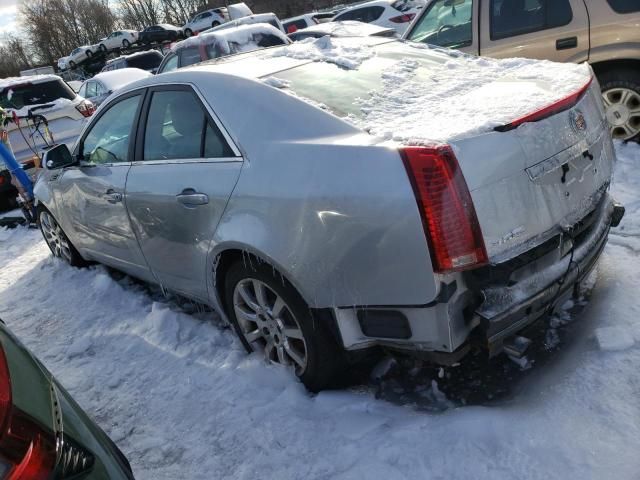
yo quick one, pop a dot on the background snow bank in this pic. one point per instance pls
(181, 398)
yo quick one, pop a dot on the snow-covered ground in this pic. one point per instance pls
(180, 397)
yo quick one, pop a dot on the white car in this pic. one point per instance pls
(270, 18)
(48, 95)
(205, 20)
(98, 88)
(63, 63)
(119, 39)
(81, 54)
(348, 28)
(294, 24)
(396, 14)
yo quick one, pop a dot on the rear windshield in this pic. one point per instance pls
(318, 82)
(27, 94)
(146, 61)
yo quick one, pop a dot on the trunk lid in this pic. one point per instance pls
(532, 182)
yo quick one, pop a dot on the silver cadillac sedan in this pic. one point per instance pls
(335, 195)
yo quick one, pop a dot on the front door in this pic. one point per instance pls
(93, 193)
(555, 30)
(179, 185)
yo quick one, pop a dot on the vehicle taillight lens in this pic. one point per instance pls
(449, 218)
(24, 443)
(86, 108)
(405, 18)
(546, 112)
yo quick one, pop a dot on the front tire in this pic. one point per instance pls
(188, 32)
(215, 24)
(89, 53)
(621, 95)
(271, 318)
(103, 48)
(126, 43)
(72, 65)
(57, 240)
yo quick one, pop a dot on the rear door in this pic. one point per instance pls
(177, 189)
(555, 30)
(92, 194)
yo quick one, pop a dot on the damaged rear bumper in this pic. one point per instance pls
(507, 309)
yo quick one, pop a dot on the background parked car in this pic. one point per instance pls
(119, 39)
(63, 63)
(270, 18)
(81, 54)
(160, 33)
(205, 20)
(216, 44)
(51, 97)
(303, 21)
(148, 60)
(45, 433)
(603, 32)
(348, 28)
(396, 14)
(98, 88)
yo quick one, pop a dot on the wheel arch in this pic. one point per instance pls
(224, 258)
(618, 64)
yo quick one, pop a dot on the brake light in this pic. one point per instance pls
(448, 215)
(405, 18)
(548, 111)
(31, 450)
(86, 108)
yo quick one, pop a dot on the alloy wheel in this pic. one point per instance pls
(623, 112)
(55, 237)
(269, 325)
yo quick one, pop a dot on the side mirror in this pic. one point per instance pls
(58, 157)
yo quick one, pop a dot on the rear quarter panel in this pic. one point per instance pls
(332, 212)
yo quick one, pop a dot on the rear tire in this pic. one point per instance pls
(89, 53)
(103, 48)
(187, 32)
(215, 24)
(277, 322)
(57, 240)
(621, 93)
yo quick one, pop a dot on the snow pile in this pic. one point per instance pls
(181, 398)
(614, 338)
(464, 96)
(324, 49)
(244, 38)
(116, 79)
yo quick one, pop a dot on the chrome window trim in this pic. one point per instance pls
(188, 160)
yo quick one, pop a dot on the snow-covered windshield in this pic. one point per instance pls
(26, 94)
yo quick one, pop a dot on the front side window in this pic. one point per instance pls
(447, 23)
(109, 138)
(177, 128)
(625, 6)
(510, 18)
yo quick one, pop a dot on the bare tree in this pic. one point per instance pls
(14, 56)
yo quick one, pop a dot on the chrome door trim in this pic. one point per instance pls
(188, 160)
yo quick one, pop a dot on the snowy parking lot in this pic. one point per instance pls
(177, 393)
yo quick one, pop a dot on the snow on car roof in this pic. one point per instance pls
(242, 35)
(346, 28)
(408, 92)
(13, 81)
(116, 79)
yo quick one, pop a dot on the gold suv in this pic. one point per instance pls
(605, 33)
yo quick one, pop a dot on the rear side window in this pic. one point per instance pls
(291, 27)
(189, 56)
(366, 15)
(145, 61)
(510, 18)
(26, 94)
(625, 6)
(177, 128)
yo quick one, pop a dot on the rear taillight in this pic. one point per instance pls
(546, 112)
(449, 218)
(86, 108)
(30, 450)
(405, 18)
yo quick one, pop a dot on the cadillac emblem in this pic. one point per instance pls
(578, 122)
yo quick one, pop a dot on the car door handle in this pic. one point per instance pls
(190, 198)
(112, 196)
(567, 43)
